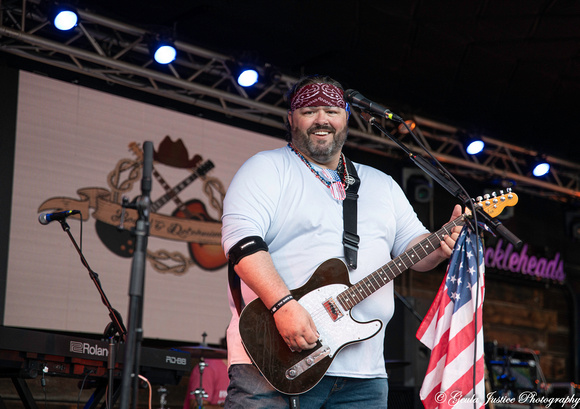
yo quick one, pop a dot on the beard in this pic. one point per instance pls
(320, 151)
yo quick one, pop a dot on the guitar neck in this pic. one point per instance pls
(201, 171)
(379, 278)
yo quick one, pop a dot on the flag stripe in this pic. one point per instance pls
(453, 344)
(448, 399)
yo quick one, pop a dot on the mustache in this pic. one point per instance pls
(317, 128)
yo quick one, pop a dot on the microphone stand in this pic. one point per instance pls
(447, 181)
(114, 327)
(129, 381)
(441, 176)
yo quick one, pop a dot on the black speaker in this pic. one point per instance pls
(401, 397)
(406, 359)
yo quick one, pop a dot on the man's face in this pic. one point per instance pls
(319, 132)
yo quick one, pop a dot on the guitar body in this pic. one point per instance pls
(297, 372)
(120, 242)
(207, 256)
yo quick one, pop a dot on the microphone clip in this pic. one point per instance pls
(140, 203)
(125, 204)
(368, 117)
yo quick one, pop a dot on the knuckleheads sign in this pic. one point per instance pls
(524, 263)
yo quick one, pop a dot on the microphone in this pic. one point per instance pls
(45, 218)
(356, 99)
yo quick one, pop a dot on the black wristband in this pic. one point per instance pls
(280, 303)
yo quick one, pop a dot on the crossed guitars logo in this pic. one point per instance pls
(189, 222)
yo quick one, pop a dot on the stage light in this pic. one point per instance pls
(64, 17)
(472, 142)
(247, 76)
(540, 168)
(473, 146)
(163, 51)
(404, 127)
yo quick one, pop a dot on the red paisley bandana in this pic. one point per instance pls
(318, 95)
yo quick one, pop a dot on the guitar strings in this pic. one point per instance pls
(365, 285)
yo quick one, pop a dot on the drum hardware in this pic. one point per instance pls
(200, 394)
(163, 396)
(202, 352)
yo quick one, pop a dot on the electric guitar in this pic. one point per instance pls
(171, 192)
(207, 256)
(329, 296)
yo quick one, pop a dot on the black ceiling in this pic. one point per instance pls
(507, 68)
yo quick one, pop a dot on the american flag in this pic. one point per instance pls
(448, 330)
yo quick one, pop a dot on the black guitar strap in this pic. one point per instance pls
(349, 208)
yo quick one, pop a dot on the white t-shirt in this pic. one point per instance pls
(274, 195)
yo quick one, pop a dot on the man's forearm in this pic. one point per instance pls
(258, 272)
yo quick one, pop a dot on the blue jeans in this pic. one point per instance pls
(249, 390)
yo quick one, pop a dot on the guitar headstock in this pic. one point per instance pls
(134, 147)
(494, 204)
(204, 168)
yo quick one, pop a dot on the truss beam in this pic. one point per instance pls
(116, 52)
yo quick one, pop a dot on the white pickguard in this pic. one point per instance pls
(344, 330)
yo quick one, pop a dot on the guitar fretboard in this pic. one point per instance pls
(374, 281)
(172, 192)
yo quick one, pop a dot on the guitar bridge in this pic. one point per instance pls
(302, 366)
(332, 309)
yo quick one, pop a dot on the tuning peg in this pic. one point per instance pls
(486, 196)
(479, 198)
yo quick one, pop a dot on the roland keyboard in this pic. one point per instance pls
(28, 352)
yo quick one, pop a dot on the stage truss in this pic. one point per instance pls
(117, 53)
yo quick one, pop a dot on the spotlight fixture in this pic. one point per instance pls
(540, 167)
(404, 127)
(474, 145)
(247, 76)
(163, 51)
(161, 48)
(64, 17)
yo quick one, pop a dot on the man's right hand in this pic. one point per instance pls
(296, 326)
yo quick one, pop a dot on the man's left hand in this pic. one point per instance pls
(449, 240)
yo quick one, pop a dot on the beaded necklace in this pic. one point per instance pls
(336, 185)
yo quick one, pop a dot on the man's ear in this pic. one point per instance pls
(290, 119)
